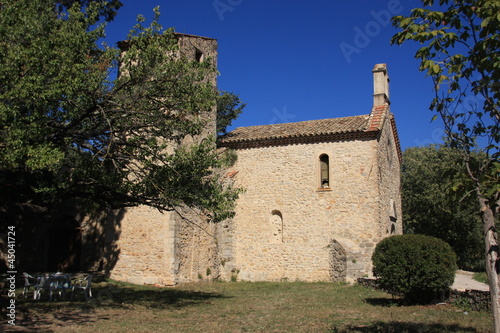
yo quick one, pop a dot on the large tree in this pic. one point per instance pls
(431, 207)
(461, 53)
(67, 131)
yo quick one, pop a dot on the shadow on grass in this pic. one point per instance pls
(404, 327)
(159, 298)
(386, 302)
(391, 302)
(118, 296)
(46, 316)
(30, 320)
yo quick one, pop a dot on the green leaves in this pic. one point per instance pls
(434, 187)
(433, 69)
(229, 107)
(417, 267)
(461, 53)
(67, 132)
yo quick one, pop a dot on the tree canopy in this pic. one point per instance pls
(108, 9)
(431, 207)
(69, 131)
(461, 54)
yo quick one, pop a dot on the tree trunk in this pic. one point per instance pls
(492, 257)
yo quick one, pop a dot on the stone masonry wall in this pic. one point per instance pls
(165, 248)
(287, 228)
(389, 183)
(196, 248)
(202, 49)
(146, 247)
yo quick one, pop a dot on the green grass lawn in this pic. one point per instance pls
(481, 277)
(241, 307)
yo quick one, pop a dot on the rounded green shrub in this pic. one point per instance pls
(419, 268)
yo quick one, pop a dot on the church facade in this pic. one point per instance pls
(318, 196)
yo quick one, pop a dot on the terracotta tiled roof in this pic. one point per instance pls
(377, 117)
(303, 129)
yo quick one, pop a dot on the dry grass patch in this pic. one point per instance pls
(243, 307)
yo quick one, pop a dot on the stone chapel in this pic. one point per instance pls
(319, 195)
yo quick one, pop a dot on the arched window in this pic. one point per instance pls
(324, 171)
(277, 226)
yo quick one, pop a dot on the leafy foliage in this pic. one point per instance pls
(68, 132)
(108, 8)
(461, 54)
(229, 107)
(432, 207)
(416, 266)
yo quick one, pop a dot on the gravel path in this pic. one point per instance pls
(464, 280)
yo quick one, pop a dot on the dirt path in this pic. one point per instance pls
(464, 280)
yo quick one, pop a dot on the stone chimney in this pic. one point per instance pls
(380, 85)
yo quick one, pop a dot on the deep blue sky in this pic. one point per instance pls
(301, 60)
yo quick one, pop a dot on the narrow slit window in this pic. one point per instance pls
(199, 56)
(324, 171)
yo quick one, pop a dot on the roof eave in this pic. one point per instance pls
(283, 141)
